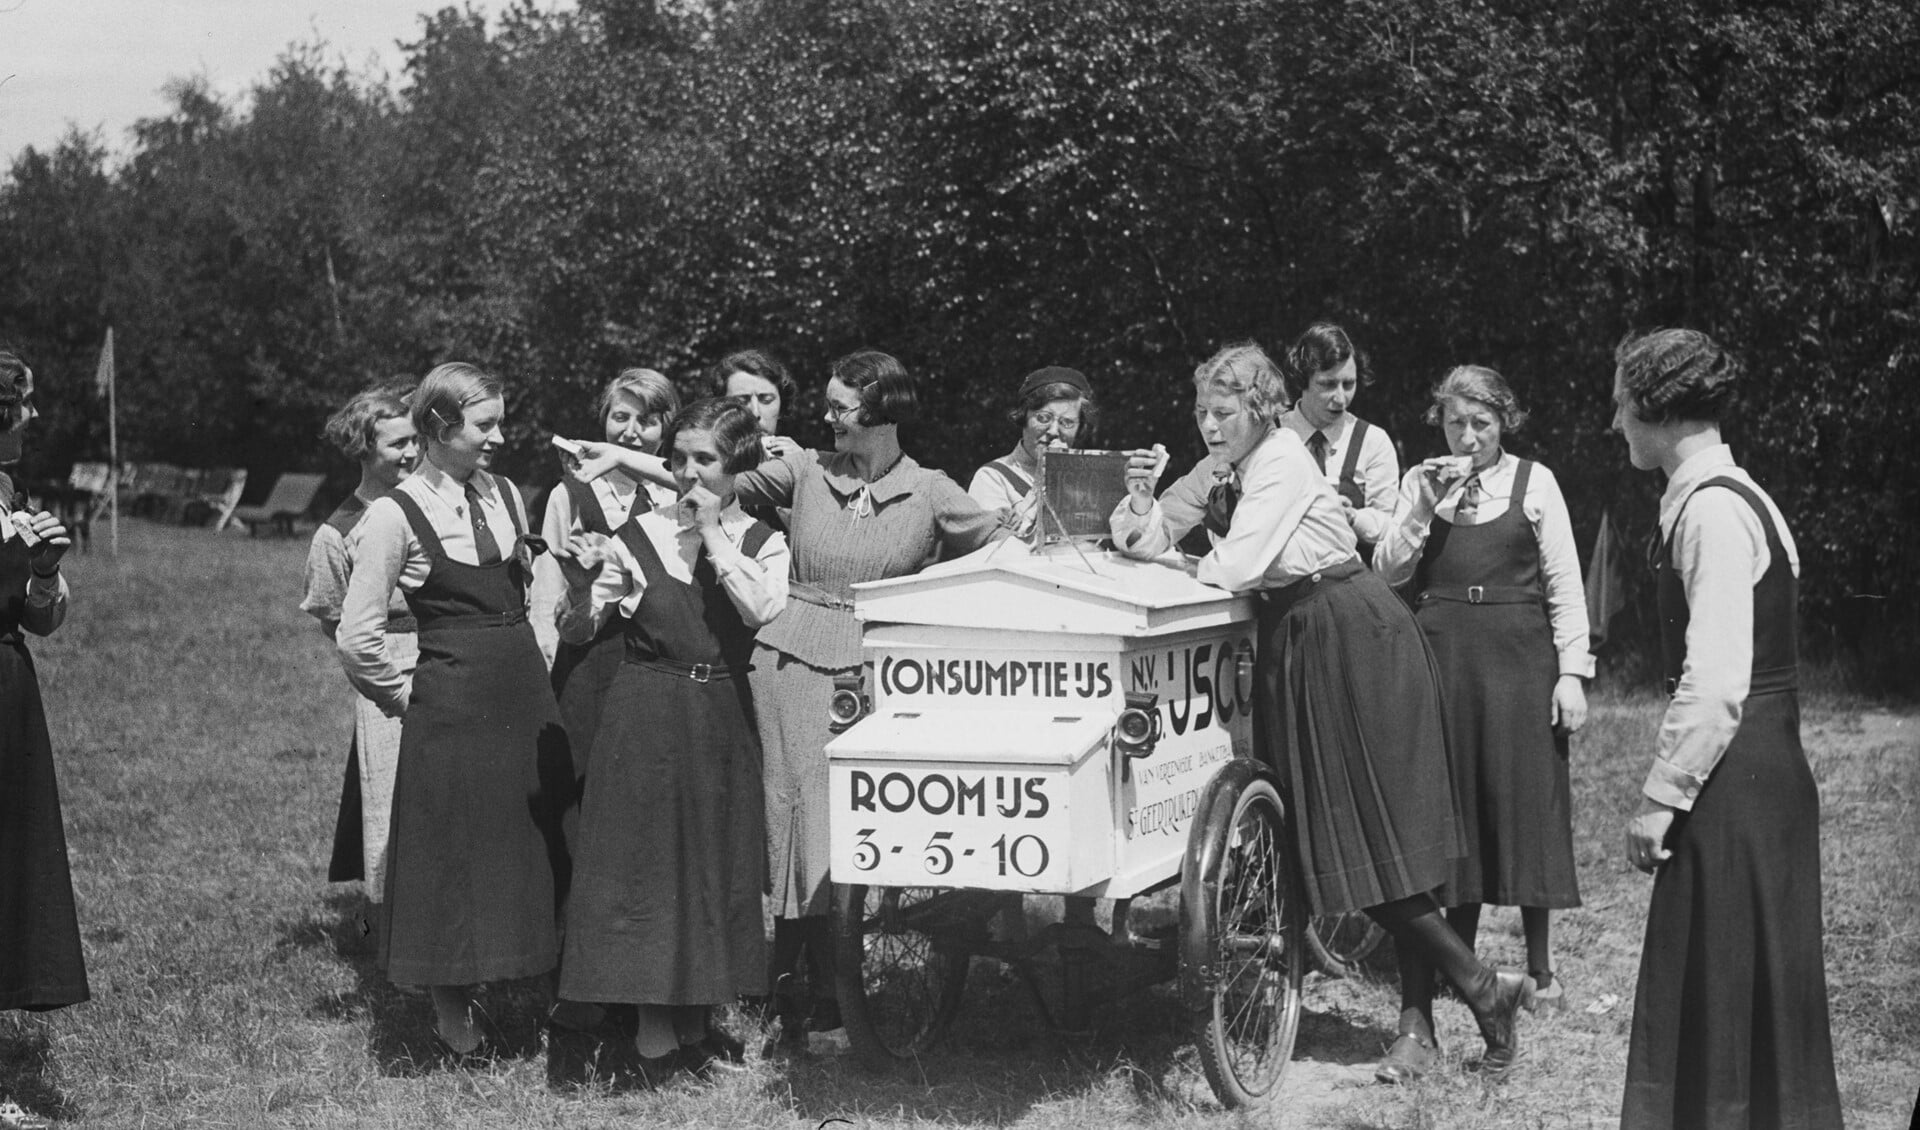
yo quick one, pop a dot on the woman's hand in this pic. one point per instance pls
(1570, 703)
(1143, 476)
(1438, 477)
(699, 509)
(49, 538)
(581, 557)
(1647, 835)
(1021, 513)
(778, 447)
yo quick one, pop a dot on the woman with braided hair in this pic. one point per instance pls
(1730, 1024)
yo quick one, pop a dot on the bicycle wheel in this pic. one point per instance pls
(1242, 938)
(1340, 943)
(902, 953)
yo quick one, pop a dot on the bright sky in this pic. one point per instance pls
(102, 63)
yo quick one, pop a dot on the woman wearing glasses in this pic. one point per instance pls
(864, 511)
(1054, 410)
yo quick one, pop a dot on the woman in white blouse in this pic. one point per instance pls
(484, 771)
(1483, 545)
(665, 913)
(1055, 410)
(1345, 698)
(1730, 1024)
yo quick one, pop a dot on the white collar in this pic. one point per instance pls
(1687, 477)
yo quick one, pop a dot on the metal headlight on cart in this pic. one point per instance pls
(1243, 670)
(848, 703)
(1137, 731)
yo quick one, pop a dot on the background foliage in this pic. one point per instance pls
(984, 186)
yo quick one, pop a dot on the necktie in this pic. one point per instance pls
(1469, 504)
(486, 549)
(1317, 443)
(1221, 501)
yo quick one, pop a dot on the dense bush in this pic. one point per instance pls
(983, 186)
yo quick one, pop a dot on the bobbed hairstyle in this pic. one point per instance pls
(351, 429)
(1477, 382)
(735, 431)
(440, 403)
(1321, 347)
(1672, 375)
(1244, 371)
(888, 394)
(759, 363)
(652, 389)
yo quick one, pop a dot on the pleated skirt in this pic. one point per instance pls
(1348, 713)
(671, 858)
(1730, 1026)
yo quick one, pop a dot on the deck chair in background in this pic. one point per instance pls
(218, 497)
(291, 497)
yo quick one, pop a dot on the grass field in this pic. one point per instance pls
(200, 725)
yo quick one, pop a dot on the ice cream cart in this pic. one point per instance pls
(1060, 721)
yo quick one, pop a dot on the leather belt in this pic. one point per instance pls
(817, 596)
(698, 672)
(461, 621)
(1767, 680)
(1482, 594)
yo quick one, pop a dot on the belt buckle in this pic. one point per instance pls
(700, 672)
(1476, 594)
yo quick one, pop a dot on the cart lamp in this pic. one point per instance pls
(848, 704)
(1137, 731)
(1243, 671)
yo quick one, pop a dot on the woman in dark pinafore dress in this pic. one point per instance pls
(484, 769)
(1346, 702)
(634, 410)
(1730, 1025)
(1484, 545)
(666, 907)
(41, 964)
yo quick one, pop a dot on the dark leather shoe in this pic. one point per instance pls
(1499, 1025)
(1410, 1057)
(723, 1045)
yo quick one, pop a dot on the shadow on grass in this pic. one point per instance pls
(999, 1062)
(401, 1039)
(26, 1069)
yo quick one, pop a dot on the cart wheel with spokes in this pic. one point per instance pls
(1340, 943)
(1242, 935)
(902, 953)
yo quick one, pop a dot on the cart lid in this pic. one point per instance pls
(1059, 589)
(1032, 737)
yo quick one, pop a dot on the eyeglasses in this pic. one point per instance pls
(1045, 419)
(840, 412)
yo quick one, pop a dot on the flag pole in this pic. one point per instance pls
(113, 446)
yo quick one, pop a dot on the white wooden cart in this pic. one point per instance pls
(1061, 722)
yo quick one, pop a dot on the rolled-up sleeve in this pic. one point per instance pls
(379, 549)
(1176, 512)
(1719, 551)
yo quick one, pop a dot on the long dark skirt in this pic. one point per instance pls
(1730, 1017)
(1497, 671)
(471, 870)
(1348, 712)
(41, 966)
(671, 861)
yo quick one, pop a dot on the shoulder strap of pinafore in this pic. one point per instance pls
(1519, 496)
(756, 539)
(1350, 466)
(423, 530)
(586, 505)
(1019, 482)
